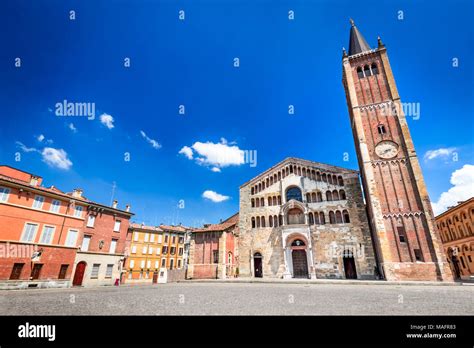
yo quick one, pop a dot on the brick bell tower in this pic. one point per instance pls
(407, 244)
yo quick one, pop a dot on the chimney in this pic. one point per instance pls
(127, 207)
(77, 193)
(114, 204)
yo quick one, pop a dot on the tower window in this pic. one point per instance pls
(401, 234)
(367, 71)
(381, 129)
(375, 70)
(360, 73)
(418, 255)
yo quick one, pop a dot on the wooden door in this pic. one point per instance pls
(257, 264)
(300, 264)
(79, 274)
(349, 268)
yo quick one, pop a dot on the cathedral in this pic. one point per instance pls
(303, 219)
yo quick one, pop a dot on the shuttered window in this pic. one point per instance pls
(16, 271)
(29, 232)
(108, 273)
(95, 271)
(63, 271)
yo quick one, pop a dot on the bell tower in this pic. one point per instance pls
(407, 243)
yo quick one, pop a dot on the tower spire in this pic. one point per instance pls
(357, 43)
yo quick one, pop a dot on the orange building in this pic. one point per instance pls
(153, 248)
(456, 227)
(40, 230)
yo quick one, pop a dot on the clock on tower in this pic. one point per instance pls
(408, 247)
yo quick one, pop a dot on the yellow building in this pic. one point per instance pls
(152, 248)
(456, 227)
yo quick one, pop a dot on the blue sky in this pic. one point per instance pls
(191, 63)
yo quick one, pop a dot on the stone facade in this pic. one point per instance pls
(456, 228)
(399, 209)
(304, 219)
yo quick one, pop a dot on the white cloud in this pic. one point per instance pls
(462, 189)
(24, 148)
(216, 170)
(215, 155)
(72, 127)
(214, 196)
(56, 158)
(442, 152)
(186, 151)
(40, 138)
(152, 142)
(107, 120)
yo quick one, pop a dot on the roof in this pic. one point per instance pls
(456, 207)
(226, 224)
(357, 43)
(161, 228)
(321, 166)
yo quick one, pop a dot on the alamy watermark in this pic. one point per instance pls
(85, 109)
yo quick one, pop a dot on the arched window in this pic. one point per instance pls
(367, 71)
(381, 129)
(262, 202)
(318, 176)
(338, 217)
(334, 180)
(299, 171)
(269, 201)
(304, 171)
(375, 70)
(257, 202)
(324, 177)
(258, 221)
(270, 221)
(263, 221)
(279, 200)
(311, 218)
(279, 176)
(342, 194)
(329, 179)
(253, 222)
(322, 218)
(269, 181)
(313, 197)
(360, 73)
(332, 218)
(335, 195)
(251, 190)
(328, 196)
(295, 216)
(316, 218)
(320, 196)
(280, 220)
(291, 169)
(298, 242)
(294, 193)
(275, 221)
(340, 181)
(308, 198)
(274, 200)
(252, 202)
(259, 187)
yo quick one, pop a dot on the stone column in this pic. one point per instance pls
(221, 267)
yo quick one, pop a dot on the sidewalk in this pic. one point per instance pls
(323, 281)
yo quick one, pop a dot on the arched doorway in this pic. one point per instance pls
(79, 274)
(452, 255)
(295, 216)
(299, 258)
(349, 265)
(257, 265)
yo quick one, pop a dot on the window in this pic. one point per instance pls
(16, 271)
(36, 271)
(360, 73)
(90, 220)
(381, 129)
(173, 241)
(38, 202)
(171, 263)
(113, 246)
(148, 264)
(418, 255)
(179, 263)
(375, 70)
(71, 239)
(144, 250)
(142, 264)
(165, 250)
(47, 235)
(134, 249)
(166, 238)
(215, 256)
(156, 264)
(55, 204)
(181, 240)
(163, 262)
(332, 217)
(109, 270)
(4, 194)
(147, 235)
(157, 251)
(345, 213)
(401, 234)
(160, 238)
(135, 236)
(63, 271)
(95, 271)
(132, 263)
(294, 193)
(78, 211)
(173, 250)
(150, 250)
(117, 226)
(29, 232)
(338, 217)
(152, 238)
(85, 243)
(180, 253)
(367, 71)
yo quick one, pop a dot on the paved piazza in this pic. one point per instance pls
(242, 299)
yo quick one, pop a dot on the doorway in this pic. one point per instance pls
(300, 264)
(257, 265)
(349, 265)
(79, 274)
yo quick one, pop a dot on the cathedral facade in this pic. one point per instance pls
(303, 219)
